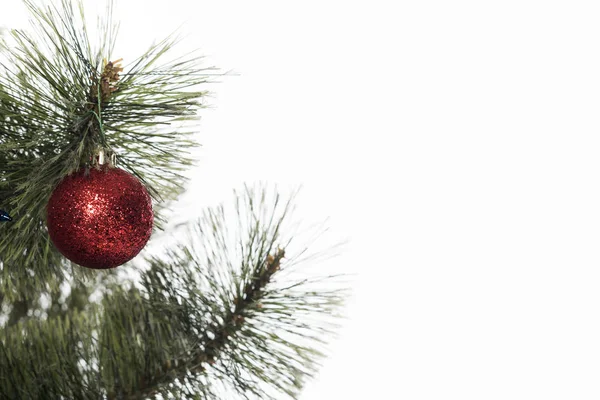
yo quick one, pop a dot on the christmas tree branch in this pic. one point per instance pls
(42, 359)
(214, 344)
(225, 319)
(225, 314)
(61, 100)
(235, 327)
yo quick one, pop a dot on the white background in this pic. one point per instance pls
(456, 145)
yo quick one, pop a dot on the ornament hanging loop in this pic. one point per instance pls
(104, 156)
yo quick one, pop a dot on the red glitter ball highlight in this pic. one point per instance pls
(101, 220)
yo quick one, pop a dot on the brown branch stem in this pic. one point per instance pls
(178, 369)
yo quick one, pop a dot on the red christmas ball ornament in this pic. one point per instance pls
(101, 219)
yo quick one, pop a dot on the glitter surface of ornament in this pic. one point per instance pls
(101, 220)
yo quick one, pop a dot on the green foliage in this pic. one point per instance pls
(249, 325)
(221, 312)
(224, 314)
(52, 123)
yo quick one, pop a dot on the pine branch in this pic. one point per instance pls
(221, 314)
(213, 346)
(61, 100)
(241, 328)
(41, 359)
